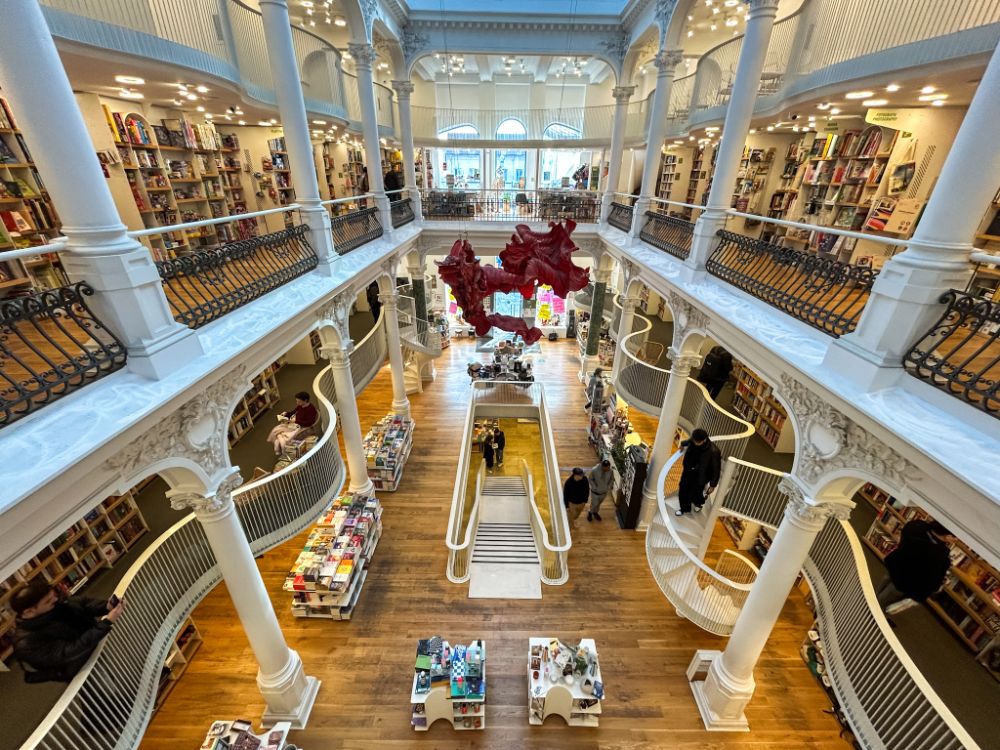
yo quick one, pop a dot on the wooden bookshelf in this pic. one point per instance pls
(70, 560)
(182, 650)
(280, 171)
(755, 165)
(261, 396)
(754, 401)
(667, 177)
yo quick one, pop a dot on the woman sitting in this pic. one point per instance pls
(294, 424)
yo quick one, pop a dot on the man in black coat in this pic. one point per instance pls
(55, 637)
(371, 293)
(702, 464)
(500, 438)
(917, 567)
(715, 370)
(576, 493)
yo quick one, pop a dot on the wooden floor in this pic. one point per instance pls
(366, 664)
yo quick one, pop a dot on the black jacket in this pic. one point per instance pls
(917, 567)
(576, 492)
(716, 367)
(58, 643)
(702, 463)
(393, 180)
(500, 439)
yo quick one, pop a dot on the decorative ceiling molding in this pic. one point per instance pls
(493, 26)
(413, 43)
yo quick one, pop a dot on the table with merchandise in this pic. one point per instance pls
(328, 575)
(449, 682)
(564, 679)
(387, 446)
(238, 735)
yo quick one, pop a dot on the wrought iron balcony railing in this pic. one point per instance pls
(671, 234)
(206, 285)
(51, 344)
(401, 212)
(960, 354)
(355, 228)
(620, 216)
(825, 293)
(513, 205)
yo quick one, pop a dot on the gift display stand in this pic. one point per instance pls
(387, 446)
(449, 682)
(564, 680)
(330, 572)
(238, 735)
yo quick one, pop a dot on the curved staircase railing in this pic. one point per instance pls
(108, 704)
(369, 354)
(414, 332)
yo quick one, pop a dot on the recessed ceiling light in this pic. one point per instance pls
(242, 122)
(710, 130)
(823, 106)
(191, 97)
(715, 10)
(931, 97)
(731, 22)
(319, 122)
(753, 130)
(131, 80)
(129, 94)
(339, 21)
(209, 115)
(200, 108)
(937, 103)
(892, 88)
(690, 33)
(228, 118)
(770, 128)
(875, 102)
(834, 111)
(264, 123)
(273, 121)
(307, 3)
(176, 102)
(201, 89)
(928, 90)
(859, 95)
(714, 27)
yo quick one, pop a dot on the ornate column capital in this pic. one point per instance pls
(805, 512)
(682, 362)
(338, 356)
(757, 8)
(622, 93)
(211, 504)
(364, 55)
(629, 304)
(667, 60)
(337, 312)
(389, 300)
(687, 317)
(403, 89)
(602, 275)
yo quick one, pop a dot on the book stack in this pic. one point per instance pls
(238, 735)
(328, 575)
(387, 447)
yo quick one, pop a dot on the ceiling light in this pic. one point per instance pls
(201, 89)
(312, 23)
(319, 122)
(710, 130)
(730, 3)
(714, 27)
(859, 95)
(347, 56)
(928, 90)
(770, 128)
(932, 97)
(812, 118)
(341, 21)
(823, 106)
(690, 137)
(264, 123)
(795, 128)
(834, 111)
(191, 97)
(307, 3)
(176, 102)
(690, 18)
(228, 118)
(129, 94)
(273, 121)
(242, 122)
(875, 102)
(238, 111)
(328, 19)
(131, 80)
(309, 12)
(937, 103)
(715, 10)
(892, 88)
(209, 115)
(731, 21)
(200, 108)
(753, 130)
(690, 33)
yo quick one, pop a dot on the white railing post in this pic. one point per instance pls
(347, 408)
(729, 686)
(666, 62)
(288, 693)
(295, 126)
(390, 302)
(364, 56)
(403, 90)
(666, 428)
(739, 113)
(904, 300)
(621, 94)
(130, 299)
(624, 329)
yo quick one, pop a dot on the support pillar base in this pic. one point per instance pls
(289, 695)
(720, 697)
(401, 407)
(587, 366)
(365, 488)
(704, 238)
(320, 237)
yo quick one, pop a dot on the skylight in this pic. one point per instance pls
(522, 7)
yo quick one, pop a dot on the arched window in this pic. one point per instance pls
(559, 131)
(511, 130)
(458, 133)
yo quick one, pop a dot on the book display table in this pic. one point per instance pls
(449, 682)
(328, 575)
(387, 446)
(237, 735)
(564, 679)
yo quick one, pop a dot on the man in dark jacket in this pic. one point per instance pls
(55, 637)
(500, 439)
(702, 465)
(917, 567)
(715, 370)
(576, 493)
(371, 294)
(393, 180)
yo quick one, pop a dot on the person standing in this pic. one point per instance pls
(489, 451)
(601, 480)
(714, 373)
(702, 466)
(371, 293)
(917, 567)
(595, 388)
(576, 493)
(54, 637)
(500, 440)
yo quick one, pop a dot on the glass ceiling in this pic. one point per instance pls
(521, 7)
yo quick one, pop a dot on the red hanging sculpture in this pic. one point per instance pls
(530, 258)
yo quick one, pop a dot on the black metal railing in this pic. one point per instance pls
(401, 212)
(511, 205)
(960, 354)
(669, 233)
(620, 216)
(208, 284)
(356, 228)
(823, 292)
(51, 344)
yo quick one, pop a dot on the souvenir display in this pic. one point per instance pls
(449, 682)
(564, 679)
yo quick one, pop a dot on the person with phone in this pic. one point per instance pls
(55, 636)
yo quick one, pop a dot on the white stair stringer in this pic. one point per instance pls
(505, 562)
(712, 602)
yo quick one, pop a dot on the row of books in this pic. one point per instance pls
(7, 155)
(850, 144)
(7, 120)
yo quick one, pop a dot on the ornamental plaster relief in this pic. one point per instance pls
(337, 312)
(212, 502)
(687, 318)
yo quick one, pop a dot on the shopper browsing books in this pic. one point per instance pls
(595, 389)
(601, 479)
(576, 493)
(294, 424)
(489, 451)
(55, 636)
(702, 465)
(500, 441)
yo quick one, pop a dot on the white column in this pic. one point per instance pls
(624, 329)
(589, 363)
(347, 412)
(288, 693)
(130, 298)
(390, 309)
(415, 268)
(666, 428)
(666, 62)
(403, 90)
(904, 300)
(621, 94)
(364, 57)
(295, 126)
(739, 113)
(729, 686)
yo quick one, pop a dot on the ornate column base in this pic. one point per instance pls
(289, 694)
(587, 366)
(648, 510)
(365, 488)
(401, 407)
(704, 239)
(320, 236)
(721, 697)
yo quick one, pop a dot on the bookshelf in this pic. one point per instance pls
(754, 401)
(667, 177)
(182, 650)
(261, 396)
(700, 176)
(755, 165)
(27, 215)
(280, 170)
(91, 544)
(423, 166)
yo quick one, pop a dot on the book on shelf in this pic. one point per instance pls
(7, 120)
